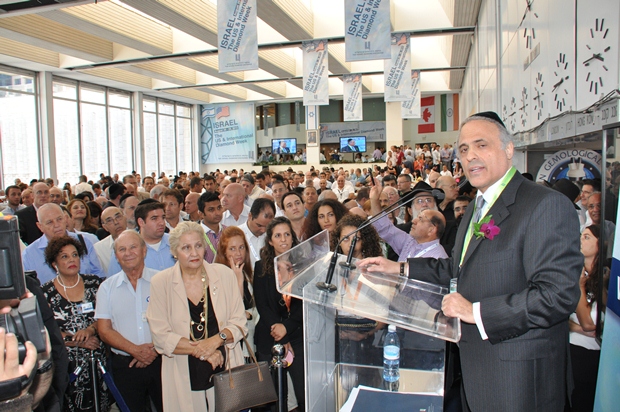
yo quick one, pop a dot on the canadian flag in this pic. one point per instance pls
(426, 124)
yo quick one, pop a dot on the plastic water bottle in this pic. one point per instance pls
(391, 356)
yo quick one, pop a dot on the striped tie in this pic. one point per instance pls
(479, 206)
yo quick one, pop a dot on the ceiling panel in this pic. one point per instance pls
(167, 46)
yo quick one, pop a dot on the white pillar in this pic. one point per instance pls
(393, 125)
(48, 140)
(312, 123)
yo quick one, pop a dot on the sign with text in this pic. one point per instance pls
(227, 133)
(367, 34)
(352, 96)
(397, 69)
(411, 108)
(316, 81)
(237, 36)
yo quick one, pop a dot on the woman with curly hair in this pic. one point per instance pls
(281, 317)
(324, 215)
(356, 333)
(72, 297)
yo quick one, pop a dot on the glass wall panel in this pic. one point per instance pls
(150, 144)
(167, 146)
(94, 140)
(18, 128)
(67, 141)
(121, 148)
(184, 144)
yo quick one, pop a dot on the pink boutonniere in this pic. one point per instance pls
(486, 228)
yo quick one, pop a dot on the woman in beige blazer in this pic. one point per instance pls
(190, 342)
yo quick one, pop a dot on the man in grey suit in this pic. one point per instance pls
(518, 282)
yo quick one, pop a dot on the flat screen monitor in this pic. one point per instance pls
(353, 144)
(284, 146)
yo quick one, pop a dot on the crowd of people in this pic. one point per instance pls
(164, 276)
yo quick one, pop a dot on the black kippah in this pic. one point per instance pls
(492, 116)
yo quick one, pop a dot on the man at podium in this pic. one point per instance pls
(518, 264)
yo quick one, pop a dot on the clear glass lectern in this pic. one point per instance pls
(343, 329)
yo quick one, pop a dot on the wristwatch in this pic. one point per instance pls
(223, 336)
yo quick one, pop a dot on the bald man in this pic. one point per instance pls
(28, 229)
(236, 211)
(191, 207)
(52, 223)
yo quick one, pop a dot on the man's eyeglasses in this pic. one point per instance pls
(423, 200)
(114, 219)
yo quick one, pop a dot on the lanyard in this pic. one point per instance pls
(422, 252)
(257, 257)
(210, 244)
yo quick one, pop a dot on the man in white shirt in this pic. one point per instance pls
(212, 212)
(122, 301)
(252, 191)
(261, 213)
(342, 191)
(278, 189)
(236, 212)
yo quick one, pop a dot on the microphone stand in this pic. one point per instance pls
(327, 285)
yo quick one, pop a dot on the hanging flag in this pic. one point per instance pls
(316, 82)
(449, 112)
(352, 96)
(397, 70)
(237, 35)
(427, 120)
(411, 108)
(367, 35)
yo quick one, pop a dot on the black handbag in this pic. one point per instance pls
(244, 386)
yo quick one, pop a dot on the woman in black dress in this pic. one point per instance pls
(281, 317)
(72, 297)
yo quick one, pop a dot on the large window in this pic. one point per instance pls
(19, 148)
(167, 136)
(93, 131)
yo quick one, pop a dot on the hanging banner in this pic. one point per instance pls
(316, 82)
(367, 35)
(397, 71)
(227, 133)
(352, 96)
(411, 108)
(237, 36)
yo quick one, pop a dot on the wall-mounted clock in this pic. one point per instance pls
(538, 96)
(524, 103)
(530, 18)
(596, 61)
(561, 78)
(510, 115)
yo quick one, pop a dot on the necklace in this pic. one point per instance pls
(65, 287)
(202, 325)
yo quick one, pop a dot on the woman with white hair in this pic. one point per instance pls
(197, 319)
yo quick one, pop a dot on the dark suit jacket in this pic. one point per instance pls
(281, 150)
(272, 310)
(348, 149)
(527, 282)
(28, 229)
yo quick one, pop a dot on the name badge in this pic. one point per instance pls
(86, 307)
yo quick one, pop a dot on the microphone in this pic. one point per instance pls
(327, 286)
